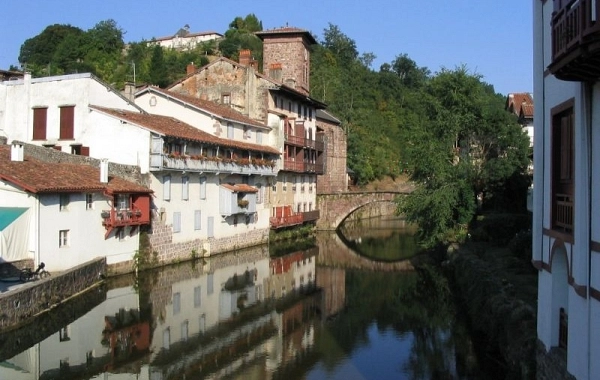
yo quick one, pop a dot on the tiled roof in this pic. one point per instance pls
(516, 101)
(526, 110)
(240, 188)
(188, 35)
(46, 177)
(169, 126)
(286, 30)
(208, 106)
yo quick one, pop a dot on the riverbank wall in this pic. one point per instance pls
(503, 324)
(19, 306)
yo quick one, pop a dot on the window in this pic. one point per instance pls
(89, 201)
(197, 296)
(247, 132)
(202, 187)
(64, 334)
(259, 137)
(229, 130)
(185, 188)
(67, 122)
(275, 101)
(294, 180)
(184, 330)
(176, 303)
(197, 220)
(40, 117)
(226, 98)
(284, 181)
(299, 110)
(210, 279)
(259, 193)
(64, 200)
(63, 238)
(167, 187)
(80, 150)
(563, 167)
(122, 202)
(290, 106)
(176, 222)
(166, 338)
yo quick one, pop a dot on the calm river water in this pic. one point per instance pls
(338, 308)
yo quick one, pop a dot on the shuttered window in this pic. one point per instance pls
(39, 123)
(176, 222)
(167, 187)
(185, 188)
(202, 187)
(67, 120)
(197, 220)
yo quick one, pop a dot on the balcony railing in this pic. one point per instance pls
(215, 166)
(563, 216)
(303, 167)
(304, 142)
(286, 221)
(576, 41)
(121, 218)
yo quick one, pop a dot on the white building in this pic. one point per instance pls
(566, 221)
(67, 214)
(184, 40)
(53, 112)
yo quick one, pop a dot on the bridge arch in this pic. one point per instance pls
(334, 208)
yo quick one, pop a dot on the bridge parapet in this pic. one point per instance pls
(336, 207)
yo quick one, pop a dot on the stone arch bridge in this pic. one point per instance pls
(336, 207)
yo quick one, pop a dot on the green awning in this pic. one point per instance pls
(9, 215)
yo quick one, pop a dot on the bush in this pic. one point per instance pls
(499, 229)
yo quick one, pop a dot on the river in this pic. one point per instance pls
(344, 306)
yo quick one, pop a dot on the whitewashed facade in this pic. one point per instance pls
(566, 221)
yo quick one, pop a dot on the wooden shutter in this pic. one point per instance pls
(85, 151)
(67, 120)
(39, 123)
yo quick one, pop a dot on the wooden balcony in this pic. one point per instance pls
(576, 41)
(286, 221)
(301, 141)
(303, 167)
(563, 212)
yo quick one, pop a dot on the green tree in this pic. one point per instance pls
(38, 52)
(158, 68)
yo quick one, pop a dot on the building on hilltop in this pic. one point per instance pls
(184, 40)
(566, 223)
(279, 98)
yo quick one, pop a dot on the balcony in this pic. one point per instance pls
(576, 42)
(301, 141)
(563, 215)
(303, 167)
(214, 165)
(286, 221)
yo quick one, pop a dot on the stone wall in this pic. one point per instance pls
(19, 306)
(551, 365)
(161, 242)
(335, 177)
(128, 172)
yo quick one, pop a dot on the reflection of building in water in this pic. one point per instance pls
(209, 320)
(85, 346)
(332, 282)
(290, 273)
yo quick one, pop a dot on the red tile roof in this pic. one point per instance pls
(240, 188)
(208, 106)
(172, 127)
(45, 177)
(516, 101)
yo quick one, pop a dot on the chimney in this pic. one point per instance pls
(191, 68)
(245, 55)
(16, 151)
(104, 170)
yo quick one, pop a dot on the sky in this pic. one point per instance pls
(491, 38)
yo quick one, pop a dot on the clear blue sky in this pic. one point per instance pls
(492, 38)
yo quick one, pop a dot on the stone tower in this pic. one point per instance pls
(286, 56)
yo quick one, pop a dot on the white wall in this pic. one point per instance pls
(86, 233)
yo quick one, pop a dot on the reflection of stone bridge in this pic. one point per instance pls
(334, 208)
(333, 252)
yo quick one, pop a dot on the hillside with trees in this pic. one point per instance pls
(447, 130)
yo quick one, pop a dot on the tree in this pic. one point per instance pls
(39, 51)
(468, 149)
(158, 68)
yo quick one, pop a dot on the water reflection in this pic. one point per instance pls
(250, 315)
